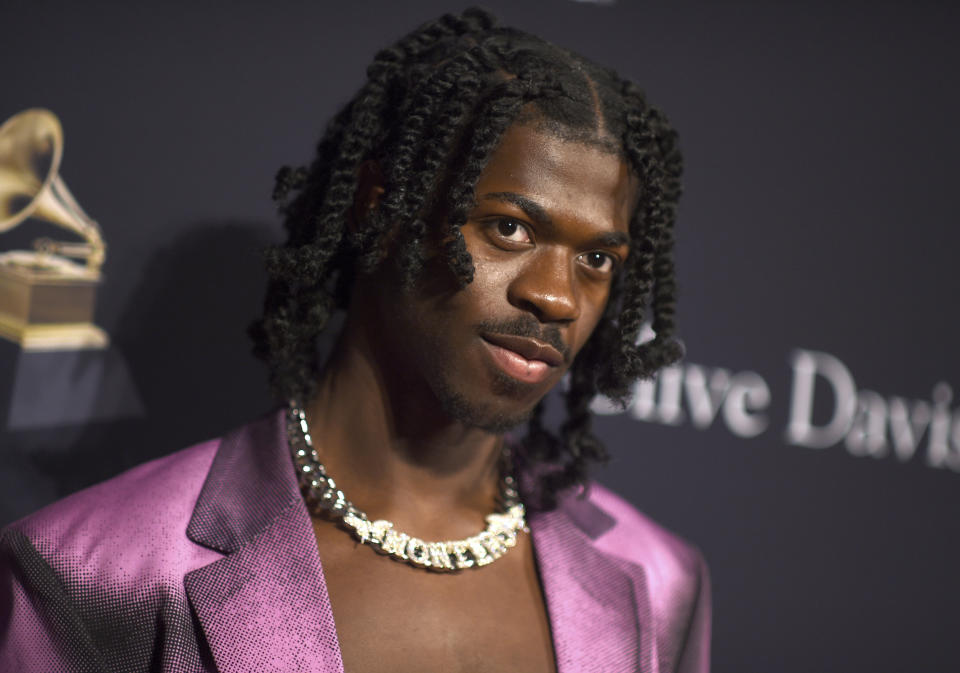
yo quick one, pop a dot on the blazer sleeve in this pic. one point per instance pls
(40, 627)
(695, 653)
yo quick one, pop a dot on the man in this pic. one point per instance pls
(493, 213)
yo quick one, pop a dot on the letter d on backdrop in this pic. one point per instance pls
(801, 431)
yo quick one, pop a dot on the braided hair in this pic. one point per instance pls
(431, 113)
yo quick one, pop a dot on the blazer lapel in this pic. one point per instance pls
(263, 606)
(598, 606)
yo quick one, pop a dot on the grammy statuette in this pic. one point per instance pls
(47, 298)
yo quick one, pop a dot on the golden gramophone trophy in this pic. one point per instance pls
(46, 297)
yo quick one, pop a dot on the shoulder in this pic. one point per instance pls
(670, 571)
(95, 581)
(634, 537)
(135, 520)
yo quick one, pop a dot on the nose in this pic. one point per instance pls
(546, 287)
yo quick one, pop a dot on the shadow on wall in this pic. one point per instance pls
(183, 339)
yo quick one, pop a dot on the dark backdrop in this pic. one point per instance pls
(816, 247)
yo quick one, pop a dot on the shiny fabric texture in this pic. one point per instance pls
(206, 560)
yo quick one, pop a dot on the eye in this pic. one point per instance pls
(513, 230)
(598, 261)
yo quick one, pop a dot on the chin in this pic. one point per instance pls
(495, 417)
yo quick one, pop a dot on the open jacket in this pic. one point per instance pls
(206, 560)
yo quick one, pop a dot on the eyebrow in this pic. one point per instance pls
(609, 239)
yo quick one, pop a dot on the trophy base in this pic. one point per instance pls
(46, 303)
(52, 336)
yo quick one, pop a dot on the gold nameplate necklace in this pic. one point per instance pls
(323, 497)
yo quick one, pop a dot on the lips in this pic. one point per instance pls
(523, 358)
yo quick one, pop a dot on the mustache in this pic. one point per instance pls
(528, 326)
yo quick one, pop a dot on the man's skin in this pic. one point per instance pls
(383, 426)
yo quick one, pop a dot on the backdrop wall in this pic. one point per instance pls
(810, 442)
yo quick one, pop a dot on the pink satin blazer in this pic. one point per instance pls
(206, 560)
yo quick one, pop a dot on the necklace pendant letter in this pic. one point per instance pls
(440, 556)
(481, 556)
(418, 553)
(459, 551)
(395, 544)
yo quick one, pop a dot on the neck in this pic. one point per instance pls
(394, 452)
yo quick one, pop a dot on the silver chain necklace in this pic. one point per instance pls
(322, 497)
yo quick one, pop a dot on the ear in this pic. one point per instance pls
(369, 190)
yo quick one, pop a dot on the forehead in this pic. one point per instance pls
(577, 181)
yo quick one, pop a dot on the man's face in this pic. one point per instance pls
(549, 230)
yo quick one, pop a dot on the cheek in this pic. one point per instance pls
(592, 313)
(491, 278)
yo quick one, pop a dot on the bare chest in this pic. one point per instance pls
(392, 617)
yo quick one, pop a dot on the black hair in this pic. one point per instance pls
(432, 111)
